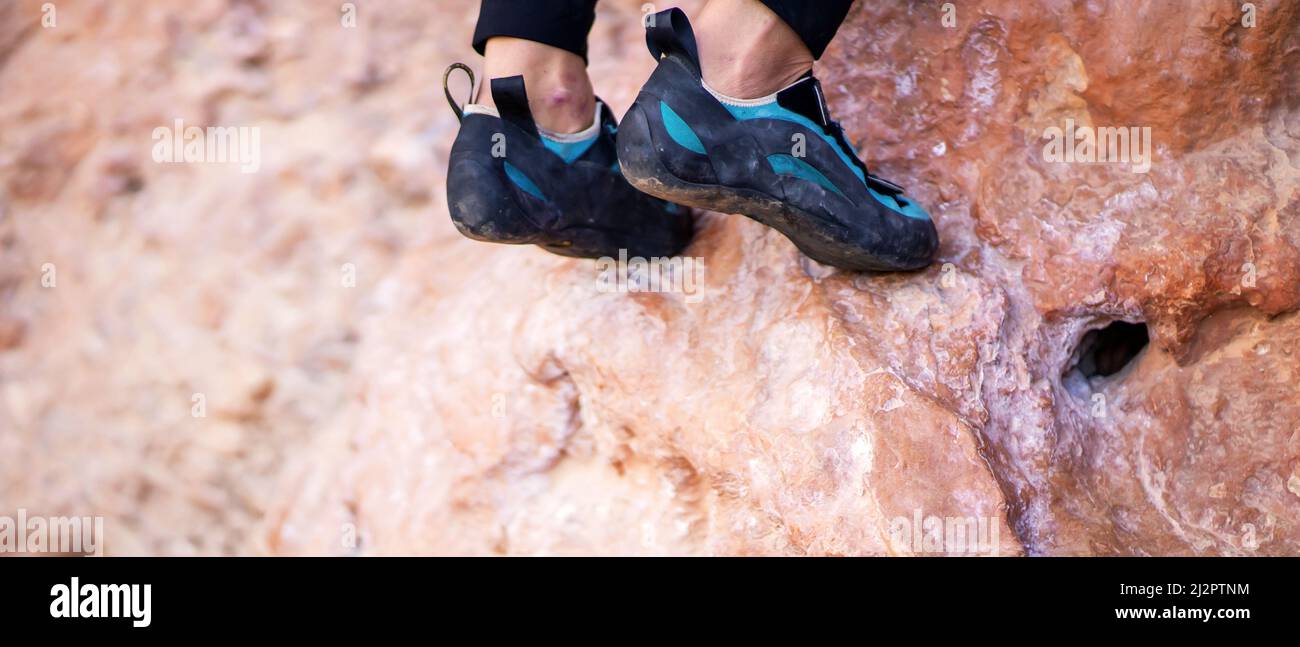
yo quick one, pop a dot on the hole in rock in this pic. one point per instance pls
(1107, 351)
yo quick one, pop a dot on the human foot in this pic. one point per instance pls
(747, 51)
(510, 181)
(560, 95)
(778, 159)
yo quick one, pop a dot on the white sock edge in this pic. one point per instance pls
(747, 103)
(480, 109)
(563, 138)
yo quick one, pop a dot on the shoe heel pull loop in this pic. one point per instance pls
(669, 32)
(446, 88)
(511, 98)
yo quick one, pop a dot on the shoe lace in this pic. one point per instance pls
(834, 129)
(446, 89)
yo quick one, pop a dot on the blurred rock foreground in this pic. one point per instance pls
(465, 398)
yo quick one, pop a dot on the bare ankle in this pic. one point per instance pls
(559, 91)
(561, 109)
(746, 51)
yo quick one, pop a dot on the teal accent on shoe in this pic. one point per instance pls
(775, 111)
(795, 167)
(901, 204)
(517, 176)
(569, 151)
(679, 130)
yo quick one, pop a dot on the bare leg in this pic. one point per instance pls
(559, 90)
(746, 51)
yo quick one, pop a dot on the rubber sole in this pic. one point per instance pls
(577, 242)
(638, 155)
(492, 215)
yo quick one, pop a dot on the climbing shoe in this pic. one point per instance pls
(780, 160)
(509, 181)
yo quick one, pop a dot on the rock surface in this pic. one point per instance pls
(465, 398)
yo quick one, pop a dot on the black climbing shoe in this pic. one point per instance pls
(508, 182)
(780, 160)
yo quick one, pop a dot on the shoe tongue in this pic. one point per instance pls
(806, 98)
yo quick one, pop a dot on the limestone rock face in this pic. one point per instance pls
(793, 409)
(473, 399)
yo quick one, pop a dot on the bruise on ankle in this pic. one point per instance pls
(559, 91)
(562, 110)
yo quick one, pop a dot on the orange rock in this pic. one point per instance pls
(375, 384)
